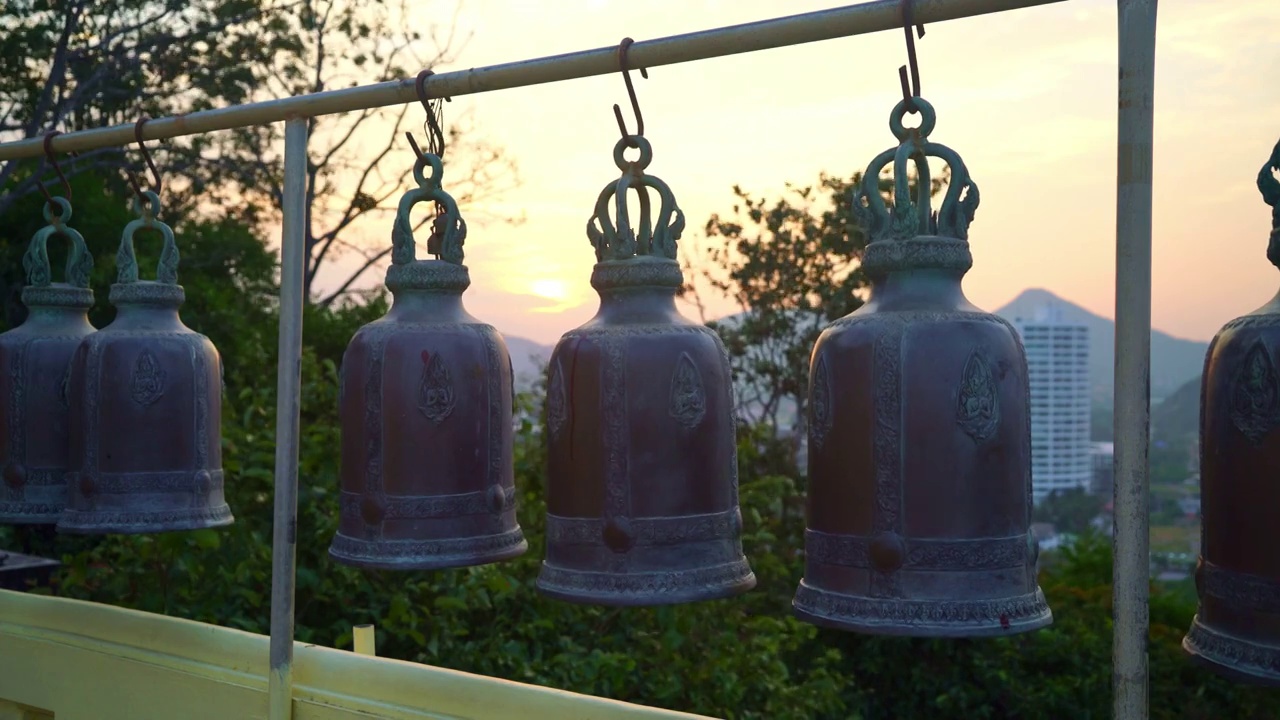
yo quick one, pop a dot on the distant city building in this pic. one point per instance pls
(1058, 361)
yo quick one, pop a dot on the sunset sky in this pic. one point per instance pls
(1027, 97)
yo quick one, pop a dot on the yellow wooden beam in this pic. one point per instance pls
(85, 661)
(362, 639)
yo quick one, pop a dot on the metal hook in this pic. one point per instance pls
(435, 133)
(414, 144)
(146, 155)
(913, 89)
(66, 186)
(631, 92)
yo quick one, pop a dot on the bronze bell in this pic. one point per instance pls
(35, 359)
(1236, 630)
(146, 408)
(428, 480)
(919, 431)
(642, 483)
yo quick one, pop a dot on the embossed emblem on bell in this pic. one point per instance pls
(642, 484)
(919, 502)
(146, 407)
(35, 359)
(1236, 630)
(428, 480)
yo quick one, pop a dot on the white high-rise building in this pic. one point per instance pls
(1058, 361)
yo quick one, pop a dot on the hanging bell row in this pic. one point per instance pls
(642, 486)
(118, 430)
(642, 491)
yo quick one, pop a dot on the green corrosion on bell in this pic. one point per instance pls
(448, 231)
(911, 218)
(919, 502)
(621, 242)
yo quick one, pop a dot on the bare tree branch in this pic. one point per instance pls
(328, 300)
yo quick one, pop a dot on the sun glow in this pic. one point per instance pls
(550, 289)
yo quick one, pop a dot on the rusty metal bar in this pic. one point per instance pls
(749, 37)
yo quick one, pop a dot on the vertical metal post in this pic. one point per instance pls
(1137, 37)
(288, 382)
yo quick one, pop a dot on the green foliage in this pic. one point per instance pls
(1070, 511)
(92, 63)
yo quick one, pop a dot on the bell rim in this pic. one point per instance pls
(641, 271)
(147, 293)
(58, 295)
(502, 547)
(922, 252)
(741, 579)
(1194, 645)
(81, 522)
(428, 276)
(1040, 617)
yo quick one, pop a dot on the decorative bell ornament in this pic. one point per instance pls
(428, 479)
(642, 483)
(919, 431)
(35, 360)
(146, 407)
(1236, 630)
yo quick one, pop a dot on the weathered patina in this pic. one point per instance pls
(426, 408)
(919, 502)
(35, 362)
(642, 483)
(146, 407)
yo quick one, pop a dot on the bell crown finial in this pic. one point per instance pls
(448, 231)
(147, 207)
(911, 218)
(1269, 186)
(621, 242)
(36, 259)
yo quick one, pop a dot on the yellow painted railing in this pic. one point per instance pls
(74, 660)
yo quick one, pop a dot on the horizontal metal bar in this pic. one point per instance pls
(749, 37)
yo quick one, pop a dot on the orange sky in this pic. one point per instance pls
(1027, 97)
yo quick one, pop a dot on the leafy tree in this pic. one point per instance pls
(90, 63)
(1070, 511)
(94, 63)
(791, 265)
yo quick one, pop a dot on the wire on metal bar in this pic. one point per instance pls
(435, 138)
(911, 90)
(631, 93)
(434, 125)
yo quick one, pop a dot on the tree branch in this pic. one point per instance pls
(373, 260)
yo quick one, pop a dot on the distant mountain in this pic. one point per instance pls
(527, 359)
(1173, 360)
(1177, 418)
